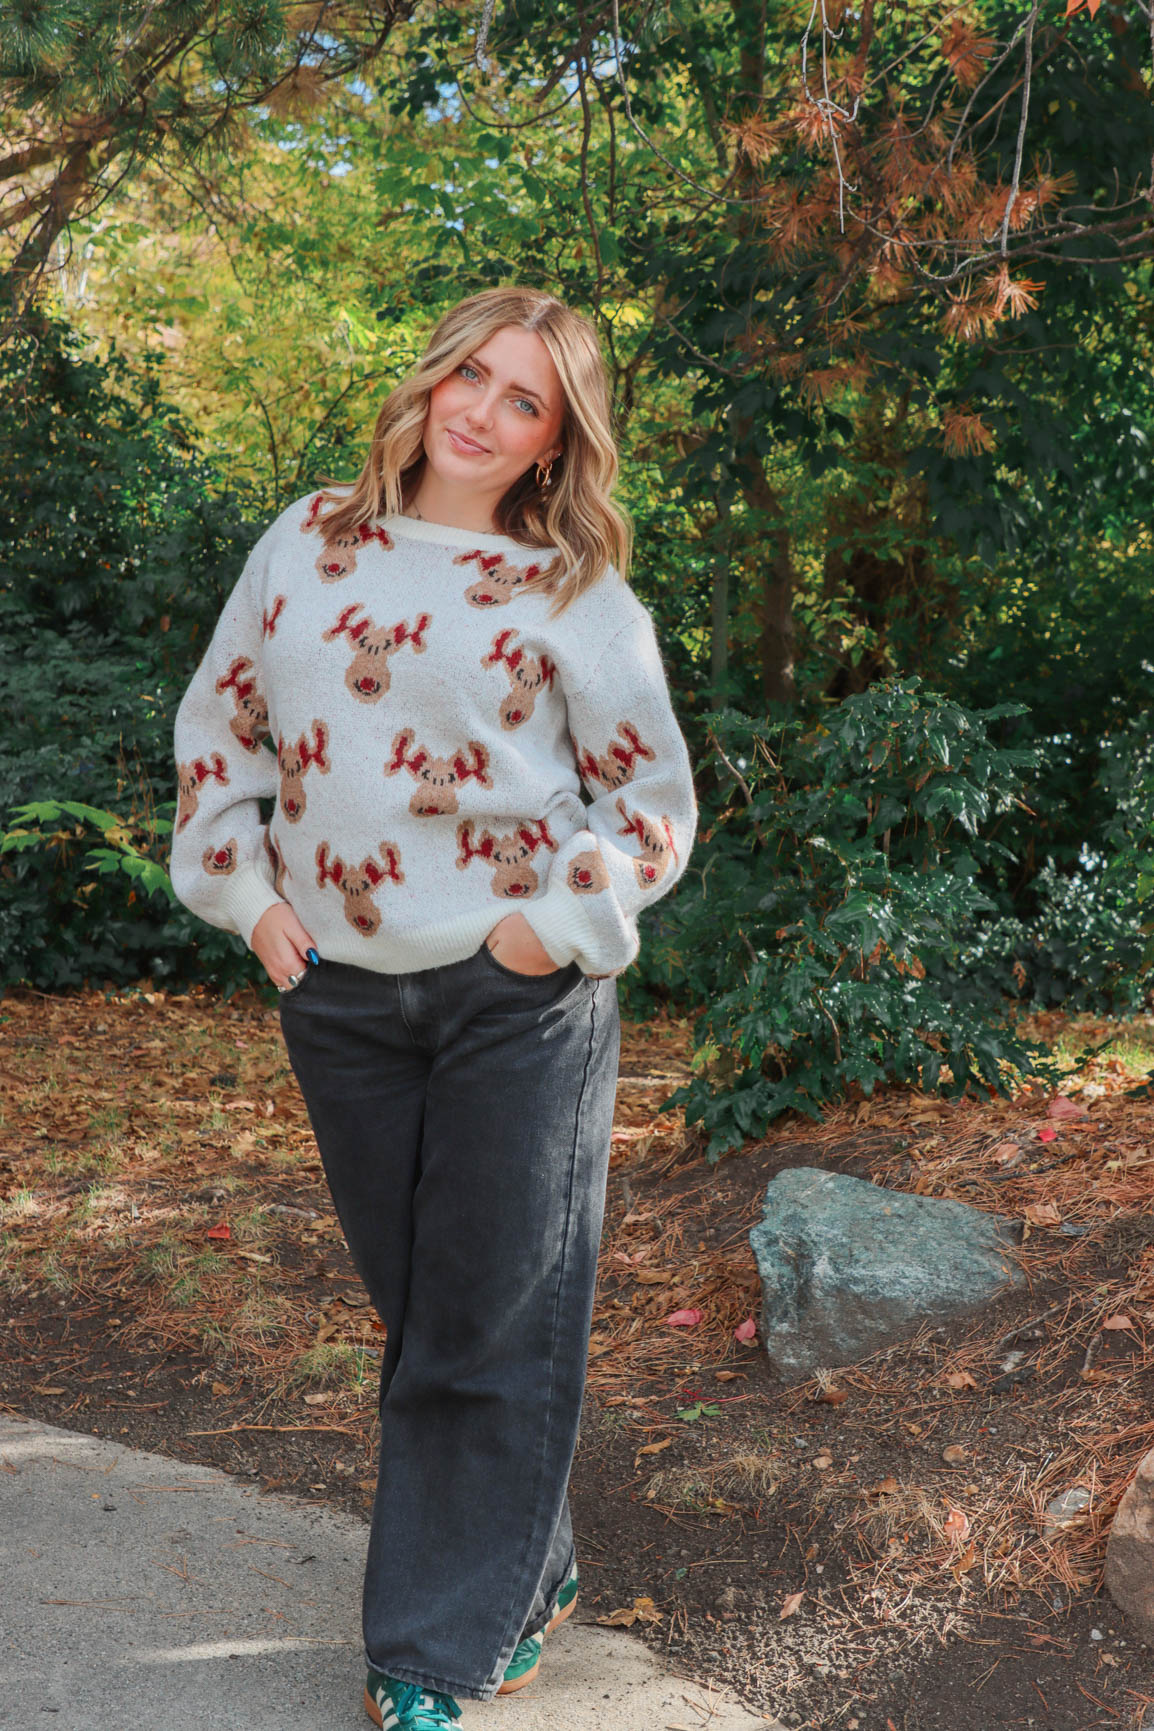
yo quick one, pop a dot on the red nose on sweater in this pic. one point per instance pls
(518, 890)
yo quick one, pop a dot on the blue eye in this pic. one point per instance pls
(468, 367)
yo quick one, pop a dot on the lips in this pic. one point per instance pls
(463, 441)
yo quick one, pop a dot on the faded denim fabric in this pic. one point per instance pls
(463, 1115)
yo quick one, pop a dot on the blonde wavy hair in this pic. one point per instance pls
(576, 515)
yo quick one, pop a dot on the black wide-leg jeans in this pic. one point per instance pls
(463, 1115)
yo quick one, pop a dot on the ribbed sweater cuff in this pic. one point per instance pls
(564, 929)
(247, 895)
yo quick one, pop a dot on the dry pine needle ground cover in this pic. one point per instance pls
(869, 1550)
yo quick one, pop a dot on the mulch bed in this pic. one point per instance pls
(864, 1550)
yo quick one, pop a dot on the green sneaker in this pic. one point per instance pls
(406, 1706)
(526, 1660)
(566, 1599)
(524, 1665)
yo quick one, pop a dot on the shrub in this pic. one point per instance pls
(834, 884)
(87, 898)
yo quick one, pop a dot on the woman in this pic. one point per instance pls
(445, 655)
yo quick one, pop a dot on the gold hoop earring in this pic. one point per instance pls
(545, 475)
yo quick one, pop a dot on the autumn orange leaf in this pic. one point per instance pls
(790, 1604)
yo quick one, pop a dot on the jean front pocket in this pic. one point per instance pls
(301, 986)
(513, 973)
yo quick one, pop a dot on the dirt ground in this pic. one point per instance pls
(866, 1550)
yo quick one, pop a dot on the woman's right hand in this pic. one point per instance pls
(279, 941)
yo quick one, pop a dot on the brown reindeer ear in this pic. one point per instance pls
(371, 870)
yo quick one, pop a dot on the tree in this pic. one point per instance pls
(90, 90)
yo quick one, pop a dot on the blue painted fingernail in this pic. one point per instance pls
(311, 956)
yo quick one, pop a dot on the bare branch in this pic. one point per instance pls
(1029, 68)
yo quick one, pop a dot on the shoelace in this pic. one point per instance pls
(421, 1710)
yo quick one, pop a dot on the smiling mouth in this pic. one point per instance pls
(464, 439)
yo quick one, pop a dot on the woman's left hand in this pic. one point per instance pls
(517, 947)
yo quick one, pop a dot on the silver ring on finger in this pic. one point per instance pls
(294, 980)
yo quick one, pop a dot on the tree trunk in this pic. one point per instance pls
(769, 523)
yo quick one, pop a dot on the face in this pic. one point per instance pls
(499, 413)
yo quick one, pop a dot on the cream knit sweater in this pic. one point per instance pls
(434, 729)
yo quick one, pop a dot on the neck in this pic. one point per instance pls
(454, 507)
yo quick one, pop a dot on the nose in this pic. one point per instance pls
(479, 412)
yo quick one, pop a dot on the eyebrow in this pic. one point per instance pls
(476, 361)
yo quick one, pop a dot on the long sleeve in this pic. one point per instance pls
(220, 864)
(640, 826)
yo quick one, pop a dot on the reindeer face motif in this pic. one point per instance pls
(657, 847)
(220, 861)
(438, 778)
(507, 855)
(190, 778)
(616, 767)
(587, 874)
(367, 676)
(498, 582)
(250, 723)
(338, 558)
(294, 761)
(527, 675)
(358, 884)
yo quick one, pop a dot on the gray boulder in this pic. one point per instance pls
(847, 1268)
(1130, 1552)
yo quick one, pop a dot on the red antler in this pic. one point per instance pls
(343, 628)
(416, 636)
(498, 656)
(588, 767)
(379, 535)
(213, 770)
(401, 760)
(465, 843)
(634, 747)
(536, 835)
(231, 681)
(478, 769)
(269, 619)
(486, 561)
(314, 511)
(391, 854)
(634, 823)
(315, 754)
(327, 873)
